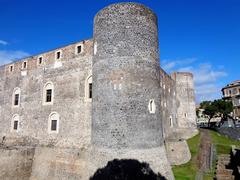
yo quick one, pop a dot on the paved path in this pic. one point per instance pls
(204, 156)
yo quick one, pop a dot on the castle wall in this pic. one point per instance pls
(2, 79)
(68, 76)
(59, 163)
(16, 163)
(168, 104)
(136, 106)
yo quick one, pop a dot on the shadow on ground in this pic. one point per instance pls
(126, 169)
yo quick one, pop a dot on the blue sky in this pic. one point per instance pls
(201, 36)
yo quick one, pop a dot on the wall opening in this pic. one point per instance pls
(24, 65)
(53, 123)
(16, 97)
(90, 91)
(15, 123)
(48, 93)
(88, 88)
(40, 60)
(151, 106)
(79, 49)
(58, 55)
(171, 121)
(11, 68)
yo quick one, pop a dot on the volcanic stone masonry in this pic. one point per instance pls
(67, 112)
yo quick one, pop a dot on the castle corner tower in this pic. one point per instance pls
(126, 119)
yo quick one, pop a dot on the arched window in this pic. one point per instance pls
(16, 97)
(48, 93)
(53, 122)
(88, 88)
(151, 106)
(15, 123)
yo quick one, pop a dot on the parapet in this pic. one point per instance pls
(175, 74)
(75, 50)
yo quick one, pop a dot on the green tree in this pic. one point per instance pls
(204, 104)
(224, 108)
(217, 108)
(211, 111)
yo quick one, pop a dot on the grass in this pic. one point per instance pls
(223, 144)
(189, 170)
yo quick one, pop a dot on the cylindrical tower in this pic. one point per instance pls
(126, 97)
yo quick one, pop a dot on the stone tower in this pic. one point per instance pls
(126, 119)
(186, 112)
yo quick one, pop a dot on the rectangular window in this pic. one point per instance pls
(15, 125)
(11, 68)
(40, 60)
(24, 65)
(48, 95)
(79, 49)
(90, 90)
(58, 55)
(16, 99)
(54, 125)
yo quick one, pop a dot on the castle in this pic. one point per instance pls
(67, 112)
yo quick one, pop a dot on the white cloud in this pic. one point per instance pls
(207, 78)
(169, 65)
(3, 42)
(7, 56)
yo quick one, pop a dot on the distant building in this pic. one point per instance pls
(232, 92)
(203, 119)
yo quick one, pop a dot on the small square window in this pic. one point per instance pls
(53, 125)
(48, 95)
(24, 65)
(40, 60)
(58, 55)
(15, 125)
(11, 68)
(16, 99)
(79, 49)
